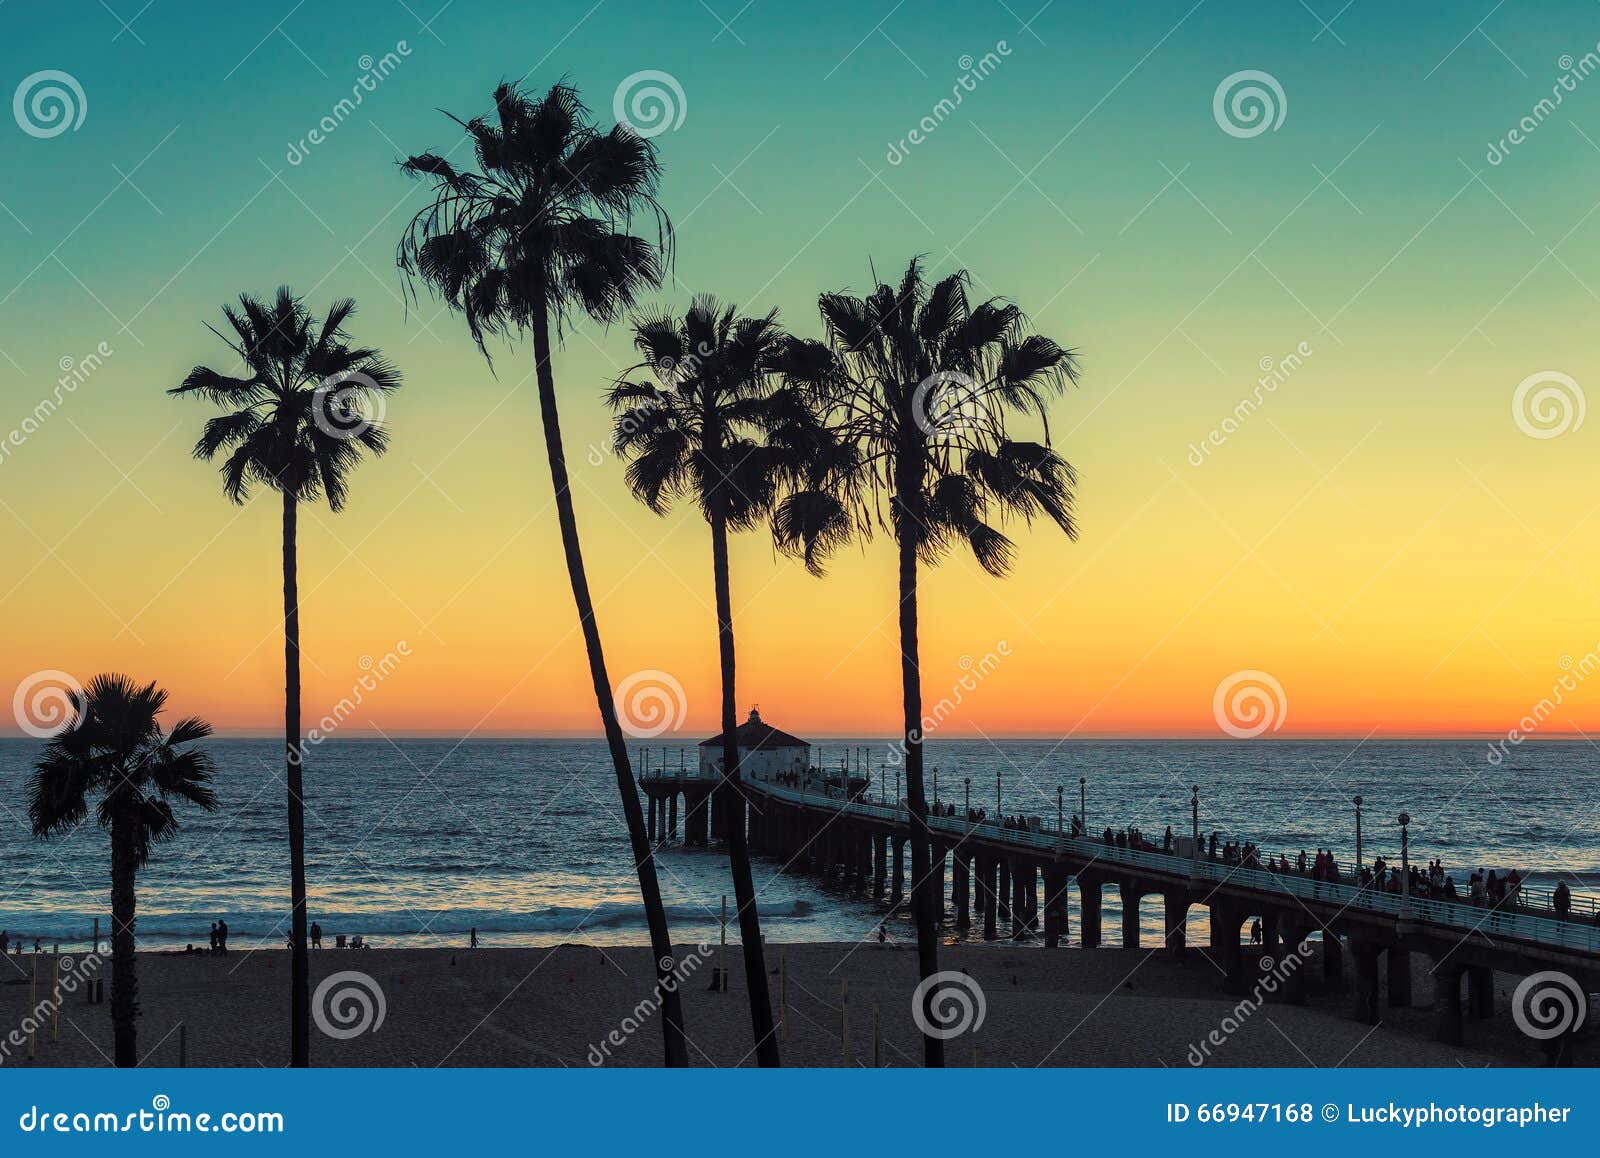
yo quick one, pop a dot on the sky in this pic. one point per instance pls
(1395, 536)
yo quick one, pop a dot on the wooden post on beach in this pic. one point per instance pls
(33, 1003)
(97, 936)
(783, 991)
(724, 964)
(55, 994)
(877, 1051)
(844, 1021)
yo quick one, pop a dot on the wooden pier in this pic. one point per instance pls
(1014, 882)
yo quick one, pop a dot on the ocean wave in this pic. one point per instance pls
(249, 929)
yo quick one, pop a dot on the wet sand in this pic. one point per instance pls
(579, 1005)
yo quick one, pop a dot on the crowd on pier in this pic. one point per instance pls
(1484, 888)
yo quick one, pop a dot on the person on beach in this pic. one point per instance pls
(1563, 901)
(1255, 931)
(213, 936)
(5, 941)
(473, 942)
(316, 935)
(222, 936)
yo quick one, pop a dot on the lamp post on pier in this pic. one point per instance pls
(1405, 868)
(966, 783)
(936, 791)
(1059, 791)
(997, 796)
(1083, 808)
(897, 785)
(1359, 861)
(1194, 815)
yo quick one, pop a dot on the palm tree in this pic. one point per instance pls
(693, 433)
(536, 237)
(920, 383)
(113, 747)
(297, 422)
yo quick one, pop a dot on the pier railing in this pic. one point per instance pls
(1462, 916)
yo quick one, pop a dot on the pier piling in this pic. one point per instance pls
(1399, 969)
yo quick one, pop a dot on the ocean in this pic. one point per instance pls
(417, 841)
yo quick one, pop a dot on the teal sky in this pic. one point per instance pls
(1086, 178)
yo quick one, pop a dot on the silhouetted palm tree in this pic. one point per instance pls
(297, 421)
(114, 748)
(921, 383)
(537, 235)
(718, 427)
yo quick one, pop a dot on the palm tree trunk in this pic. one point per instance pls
(299, 964)
(649, 888)
(744, 889)
(922, 898)
(124, 980)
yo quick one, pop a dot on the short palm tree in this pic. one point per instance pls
(113, 748)
(921, 383)
(716, 425)
(537, 236)
(297, 420)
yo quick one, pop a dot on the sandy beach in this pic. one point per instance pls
(575, 1005)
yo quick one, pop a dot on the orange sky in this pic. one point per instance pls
(1381, 535)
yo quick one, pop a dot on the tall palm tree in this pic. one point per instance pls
(535, 237)
(921, 383)
(717, 426)
(297, 421)
(113, 747)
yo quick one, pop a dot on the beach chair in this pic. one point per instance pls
(338, 941)
(357, 943)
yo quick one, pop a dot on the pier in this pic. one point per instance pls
(1013, 879)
